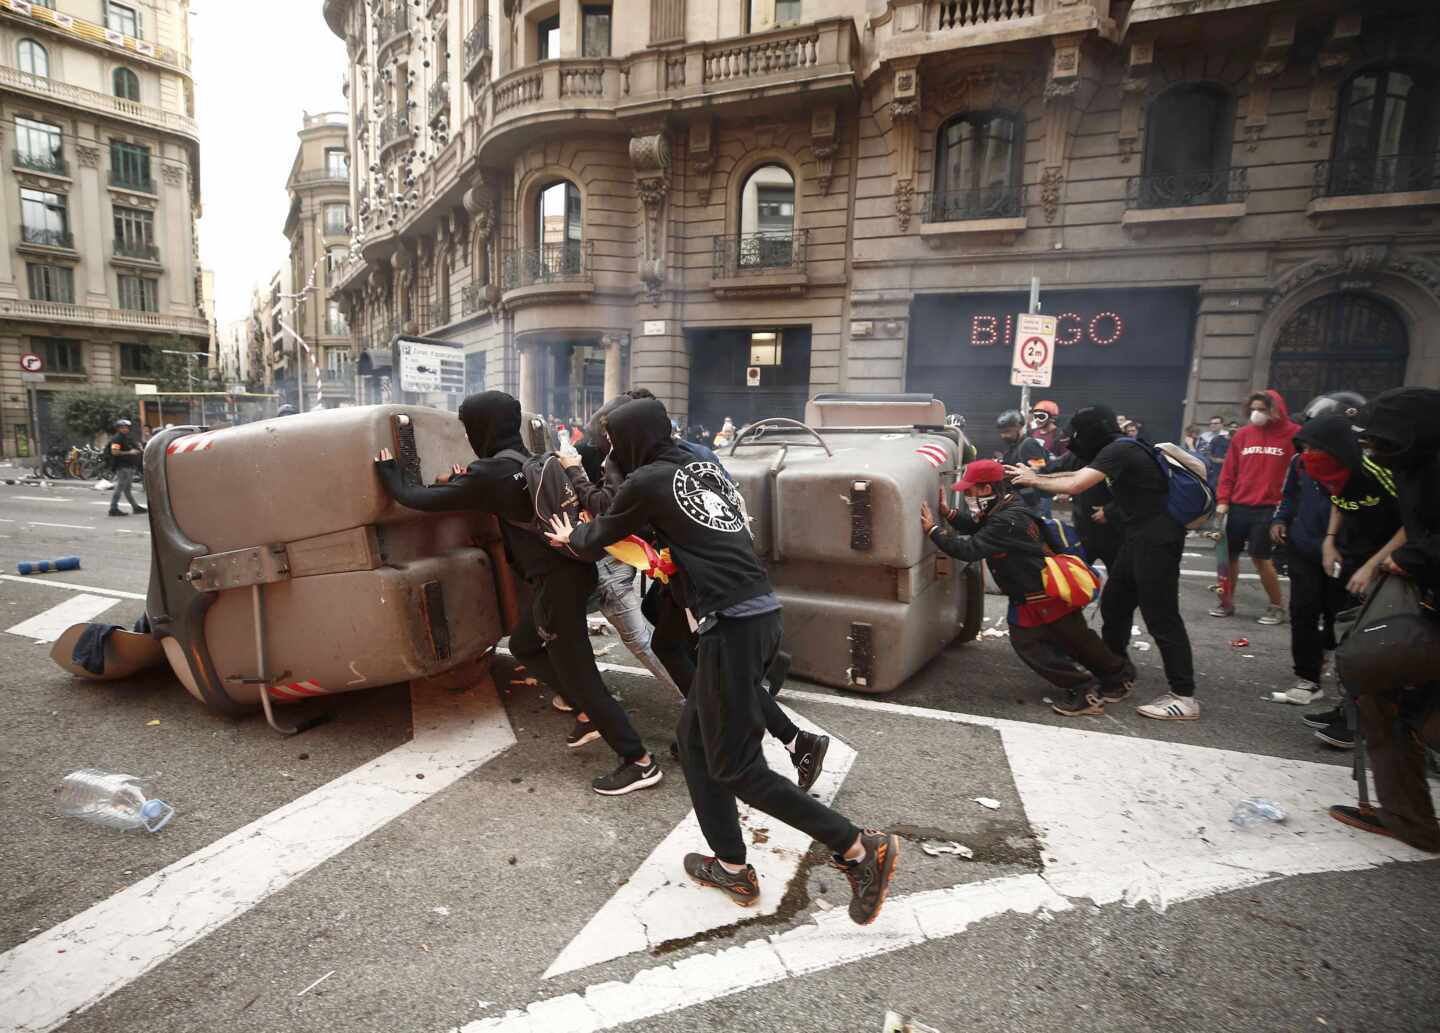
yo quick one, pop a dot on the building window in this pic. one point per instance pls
(548, 41)
(337, 360)
(766, 348)
(125, 84)
(44, 219)
(978, 168)
(61, 355)
(1188, 134)
(334, 258)
(763, 15)
(337, 219)
(136, 360)
(122, 18)
(39, 146)
(595, 31)
(130, 166)
(137, 294)
(134, 232)
(557, 214)
(51, 282)
(34, 59)
(335, 322)
(1385, 133)
(767, 218)
(337, 164)
(442, 52)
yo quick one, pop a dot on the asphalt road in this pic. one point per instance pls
(450, 912)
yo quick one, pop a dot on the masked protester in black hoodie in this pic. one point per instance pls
(696, 512)
(1146, 572)
(1400, 431)
(552, 639)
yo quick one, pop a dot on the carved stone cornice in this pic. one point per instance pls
(1359, 260)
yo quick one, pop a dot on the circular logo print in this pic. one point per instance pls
(708, 498)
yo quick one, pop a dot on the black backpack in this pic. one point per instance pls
(550, 490)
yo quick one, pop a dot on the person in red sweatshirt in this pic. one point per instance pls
(1250, 486)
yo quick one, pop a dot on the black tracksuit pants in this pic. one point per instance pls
(1314, 601)
(1147, 575)
(1070, 656)
(675, 644)
(553, 641)
(721, 729)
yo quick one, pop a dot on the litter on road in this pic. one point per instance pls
(939, 847)
(317, 982)
(987, 802)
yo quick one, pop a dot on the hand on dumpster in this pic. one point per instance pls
(449, 475)
(1391, 567)
(945, 511)
(927, 520)
(384, 455)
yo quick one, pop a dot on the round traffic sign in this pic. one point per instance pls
(1034, 352)
(31, 363)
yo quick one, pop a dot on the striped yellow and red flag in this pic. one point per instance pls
(640, 554)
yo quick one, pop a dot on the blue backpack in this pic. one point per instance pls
(1061, 537)
(1189, 500)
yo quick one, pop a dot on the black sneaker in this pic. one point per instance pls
(870, 878)
(1079, 704)
(583, 732)
(1324, 718)
(808, 758)
(138, 509)
(742, 887)
(117, 512)
(627, 778)
(1338, 735)
(1360, 818)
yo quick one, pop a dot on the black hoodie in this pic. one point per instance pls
(689, 502)
(489, 485)
(1372, 512)
(1407, 419)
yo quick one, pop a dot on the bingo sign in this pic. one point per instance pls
(1034, 360)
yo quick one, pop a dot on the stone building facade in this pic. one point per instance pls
(100, 181)
(318, 229)
(743, 205)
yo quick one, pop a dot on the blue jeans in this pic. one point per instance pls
(620, 603)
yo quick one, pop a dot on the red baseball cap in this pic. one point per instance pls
(981, 471)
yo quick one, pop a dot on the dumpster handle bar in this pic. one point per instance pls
(758, 429)
(258, 601)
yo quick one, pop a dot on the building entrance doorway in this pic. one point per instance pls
(1340, 342)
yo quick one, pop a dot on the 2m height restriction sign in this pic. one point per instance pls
(1034, 359)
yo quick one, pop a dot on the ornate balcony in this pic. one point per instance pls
(95, 101)
(1396, 174)
(968, 205)
(394, 131)
(759, 263)
(944, 15)
(477, 44)
(947, 25)
(1187, 189)
(569, 262)
(84, 315)
(394, 26)
(141, 251)
(440, 98)
(48, 238)
(51, 164)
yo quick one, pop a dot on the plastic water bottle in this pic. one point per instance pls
(1254, 811)
(112, 800)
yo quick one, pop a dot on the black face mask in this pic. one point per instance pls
(985, 502)
(1091, 429)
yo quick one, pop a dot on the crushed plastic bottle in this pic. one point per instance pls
(1254, 811)
(113, 800)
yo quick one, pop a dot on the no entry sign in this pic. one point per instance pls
(1034, 358)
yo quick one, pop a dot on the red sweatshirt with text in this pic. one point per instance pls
(1255, 465)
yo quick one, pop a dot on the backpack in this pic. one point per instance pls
(1061, 537)
(550, 490)
(1068, 583)
(1189, 499)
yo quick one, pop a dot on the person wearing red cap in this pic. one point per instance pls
(1051, 638)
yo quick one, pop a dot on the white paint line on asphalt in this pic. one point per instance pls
(1120, 820)
(39, 498)
(78, 609)
(64, 970)
(77, 527)
(68, 586)
(659, 904)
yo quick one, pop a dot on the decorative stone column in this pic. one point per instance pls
(614, 360)
(530, 378)
(650, 156)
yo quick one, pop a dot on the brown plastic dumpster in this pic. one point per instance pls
(278, 559)
(835, 513)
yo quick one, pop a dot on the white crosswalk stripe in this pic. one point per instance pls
(47, 626)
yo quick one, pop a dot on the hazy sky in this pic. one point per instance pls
(259, 65)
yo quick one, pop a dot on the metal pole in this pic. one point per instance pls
(37, 447)
(1034, 309)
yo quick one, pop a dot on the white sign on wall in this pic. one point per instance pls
(431, 367)
(654, 328)
(1034, 360)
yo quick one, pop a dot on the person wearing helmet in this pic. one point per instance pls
(1023, 450)
(1045, 427)
(124, 457)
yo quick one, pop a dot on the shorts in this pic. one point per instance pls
(1248, 528)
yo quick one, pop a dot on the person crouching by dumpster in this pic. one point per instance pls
(1048, 592)
(552, 639)
(696, 513)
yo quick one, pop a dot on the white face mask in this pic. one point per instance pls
(1259, 418)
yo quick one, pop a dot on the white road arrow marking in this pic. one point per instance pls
(1121, 820)
(47, 626)
(64, 970)
(659, 903)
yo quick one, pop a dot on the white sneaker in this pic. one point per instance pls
(1171, 707)
(1302, 693)
(1272, 615)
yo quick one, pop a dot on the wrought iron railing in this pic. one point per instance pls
(756, 254)
(965, 205)
(477, 42)
(134, 249)
(394, 129)
(394, 24)
(571, 261)
(47, 237)
(1396, 174)
(440, 98)
(52, 163)
(1186, 189)
(132, 181)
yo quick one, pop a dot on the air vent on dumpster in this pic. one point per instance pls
(435, 622)
(862, 654)
(406, 454)
(862, 535)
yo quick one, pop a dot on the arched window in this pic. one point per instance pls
(34, 59)
(1385, 132)
(767, 219)
(126, 84)
(1339, 342)
(978, 170)
(558, 232)
(1188, 134)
